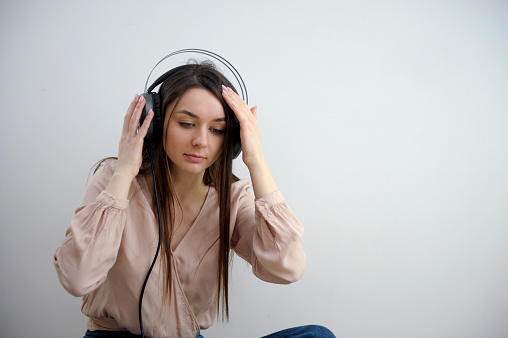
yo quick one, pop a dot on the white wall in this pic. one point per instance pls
(385, 124)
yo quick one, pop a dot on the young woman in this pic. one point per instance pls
(205, 211)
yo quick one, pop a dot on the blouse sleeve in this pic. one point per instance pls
(268, 235)
(92, 241)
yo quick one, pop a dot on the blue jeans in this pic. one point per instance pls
(309, 331)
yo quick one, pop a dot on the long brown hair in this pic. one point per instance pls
(219, 174)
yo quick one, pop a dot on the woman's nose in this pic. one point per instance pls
(200, 138)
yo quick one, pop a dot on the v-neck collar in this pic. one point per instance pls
(148, 198)
(193, 222)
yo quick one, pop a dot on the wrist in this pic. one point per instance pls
(119, 184)
(254, 162)
(263, 182)
(123, 174)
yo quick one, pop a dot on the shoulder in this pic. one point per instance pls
(107, 165)
(101, 176)
(240, 186)
(241, 192)
(102, 172)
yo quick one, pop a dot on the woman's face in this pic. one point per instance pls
(194, 131)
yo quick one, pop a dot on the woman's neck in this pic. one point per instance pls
(189, 187)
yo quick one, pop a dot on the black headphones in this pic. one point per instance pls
(154, 102)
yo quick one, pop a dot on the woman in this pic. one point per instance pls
(205, 211)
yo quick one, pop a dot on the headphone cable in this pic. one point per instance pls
(158, 246)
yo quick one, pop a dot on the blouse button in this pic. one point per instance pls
(262, 204)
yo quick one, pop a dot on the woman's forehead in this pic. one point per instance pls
(201, 104)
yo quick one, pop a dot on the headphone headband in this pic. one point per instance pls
(232, 69)
(163, 77)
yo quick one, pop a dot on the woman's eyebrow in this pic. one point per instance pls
(220, 119)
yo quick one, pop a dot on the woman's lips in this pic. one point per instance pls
(195, 158)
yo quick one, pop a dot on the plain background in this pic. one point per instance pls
(385, 124)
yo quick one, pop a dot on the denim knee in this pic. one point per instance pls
(308, 331)
(320, 331)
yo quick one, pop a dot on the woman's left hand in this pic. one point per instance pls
(262, 180)
(249, 131)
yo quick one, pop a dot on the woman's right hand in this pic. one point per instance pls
(130, 149)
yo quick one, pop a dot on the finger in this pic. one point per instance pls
(235, 102)
(230, 94)
(128, 115)
(134, 121)
(225, 94)
(230, 100)
(254, 111)
(146, 124)
(237, 99)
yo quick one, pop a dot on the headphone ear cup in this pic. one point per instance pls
(153, 102)
(157, 122)
(237, 148)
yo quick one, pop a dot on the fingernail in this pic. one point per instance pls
(225, 91)
(136, 96)
(140, 98)
(230, 89)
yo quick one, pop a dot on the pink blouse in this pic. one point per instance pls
(111, 243)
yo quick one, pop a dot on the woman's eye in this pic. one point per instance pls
(185, 124)
(217, 131)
